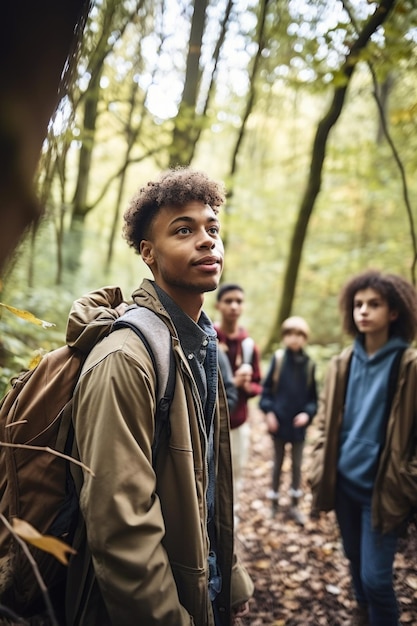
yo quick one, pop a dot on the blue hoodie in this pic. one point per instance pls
(363, 428)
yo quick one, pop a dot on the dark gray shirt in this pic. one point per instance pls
(196, 341)
(199, 344)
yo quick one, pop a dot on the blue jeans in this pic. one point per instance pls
(371, 556)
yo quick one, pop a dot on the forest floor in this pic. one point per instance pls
(300, 573)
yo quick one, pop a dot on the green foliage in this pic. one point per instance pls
(359, 219)
(22, 340)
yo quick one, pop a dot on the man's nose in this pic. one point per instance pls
(206, 241)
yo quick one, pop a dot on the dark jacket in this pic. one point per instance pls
(295, 392)
(145, 560)
(227, 375)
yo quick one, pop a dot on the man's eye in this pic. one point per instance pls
(214, 230)
(184, 230)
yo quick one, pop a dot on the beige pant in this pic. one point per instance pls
(239, 441)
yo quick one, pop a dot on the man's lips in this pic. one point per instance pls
(208, 260)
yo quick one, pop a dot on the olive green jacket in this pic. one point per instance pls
(146, 528)
(395, 490)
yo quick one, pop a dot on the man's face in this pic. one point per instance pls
(185, 252)
(230, 305)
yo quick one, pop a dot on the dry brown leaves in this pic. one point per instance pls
(301, 575)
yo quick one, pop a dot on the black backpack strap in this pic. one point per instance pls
(157, 339)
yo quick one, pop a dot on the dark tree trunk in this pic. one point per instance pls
(316, 168)
(37, 50)
(184, 134)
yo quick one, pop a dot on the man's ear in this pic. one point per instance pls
(146, 252)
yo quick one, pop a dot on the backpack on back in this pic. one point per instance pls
(36, 485)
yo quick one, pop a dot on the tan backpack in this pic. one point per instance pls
(37, 486)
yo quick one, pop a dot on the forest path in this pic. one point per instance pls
(301, 575)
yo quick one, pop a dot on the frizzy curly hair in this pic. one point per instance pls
(175, 187)
(400, 295)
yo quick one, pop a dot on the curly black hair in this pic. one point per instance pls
(400, 295)
(175, 187)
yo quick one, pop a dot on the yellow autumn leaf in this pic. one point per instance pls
(35, 360)
(26, 315)
(59, 549)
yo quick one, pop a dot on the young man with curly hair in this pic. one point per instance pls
(364, 465)
(155, 545)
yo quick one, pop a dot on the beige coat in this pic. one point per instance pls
(395, 489)
(147, 530)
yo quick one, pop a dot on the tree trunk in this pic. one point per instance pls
(80, 207)
(248, 110)
(131, 135)
(316, 167)
(115, 19)
(216, 54)
(252, 81)
(184, 134)
(74, 245)
(37, 51)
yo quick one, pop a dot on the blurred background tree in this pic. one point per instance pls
(306, 109)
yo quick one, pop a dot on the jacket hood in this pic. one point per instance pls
(392, 345)
(91, 317)
(146, 296)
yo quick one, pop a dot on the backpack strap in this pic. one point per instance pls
(248, 347)
(278, 359)
(155, 334)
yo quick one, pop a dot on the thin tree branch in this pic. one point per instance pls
(120, 171)
(25, 446)
(252, 90)
(394, 151)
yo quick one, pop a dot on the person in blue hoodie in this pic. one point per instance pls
(364, 462)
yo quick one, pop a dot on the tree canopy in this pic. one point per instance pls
(305, 109)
